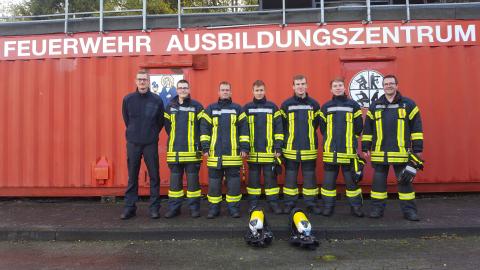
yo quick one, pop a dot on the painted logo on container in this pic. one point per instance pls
(164, 86)
(366, 87)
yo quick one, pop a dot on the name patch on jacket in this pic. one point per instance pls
(184, 109)
(389, 106)
(223, 111)
(340, 109)
(300, 107)
(260, 110)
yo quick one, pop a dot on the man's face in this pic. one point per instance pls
(259, 91)
(338, 89)
(300, 87)
(224, 91)
(389, 86)
(142, 83)
(183, 90)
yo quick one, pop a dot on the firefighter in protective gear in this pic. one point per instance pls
(341, 125)
(301, 230)
(301, 117)
(224, 139)
(266, 138)
(182, 123)
(259, 233)
(393, 127)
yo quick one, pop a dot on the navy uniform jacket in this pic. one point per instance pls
(143, 117)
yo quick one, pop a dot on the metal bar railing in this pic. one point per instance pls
(407, 7)
(284, 20)
(144, 15)
(100, 22)
(179, 10)
(322, 12)
(65, 30)
(369, 12)
(221, 7)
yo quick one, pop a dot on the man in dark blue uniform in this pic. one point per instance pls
(143, 116)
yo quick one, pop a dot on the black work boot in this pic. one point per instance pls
(409, 209)
(213, 211)
(376, 212)
(356, 211)
(172, 213)
(314, 209)
(275, 208)
(127, 213)
(328, 211)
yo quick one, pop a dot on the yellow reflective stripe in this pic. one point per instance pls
(328, 140)
(290, 191)
(283, 113)
(406, 196)
(244, 138)
(269, 133)
(291, 130)
(349, 133)
(311, 130)
(310, 191)
(277, 114)
(236, 198)
(191, 131)
(378, 126)
(242, 116)
(329, 193)
(417, 136)
(214, 136)
(354, 193)
(413, 113)
(214, 199)
(175, 194)
(279, 137)
(166, 115)
(254, 191)
(206, 117)
(194, 194)
(320, 113)
(357, 113)
(251, 123)
(367, 138)
(200, 114)
(378, 195)
(272, 191)
(205, 138)
(401, 130)
(172, 133)
(370, 115)
(233, 132)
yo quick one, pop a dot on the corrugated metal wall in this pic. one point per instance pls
(59, 116)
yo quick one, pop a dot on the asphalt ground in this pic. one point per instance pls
(73, 219)
(427, 253)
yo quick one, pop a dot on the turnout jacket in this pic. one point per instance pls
(182, 124)
(341, 124)
(265, 130)
(224, 133)
(143, 117)
(392, 129)
(301, 117)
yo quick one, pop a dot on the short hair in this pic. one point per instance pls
(337, 79)
(258, 83)
(225, 83)
(183, 81)
(390, 76)
(298, 78)
(142, 72)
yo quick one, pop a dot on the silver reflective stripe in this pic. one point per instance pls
(300, 107)
(260, 110)
(340, 109)
(187, 109)
(411, 169)
(220, 112)
(173, 110)
(389, 106)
